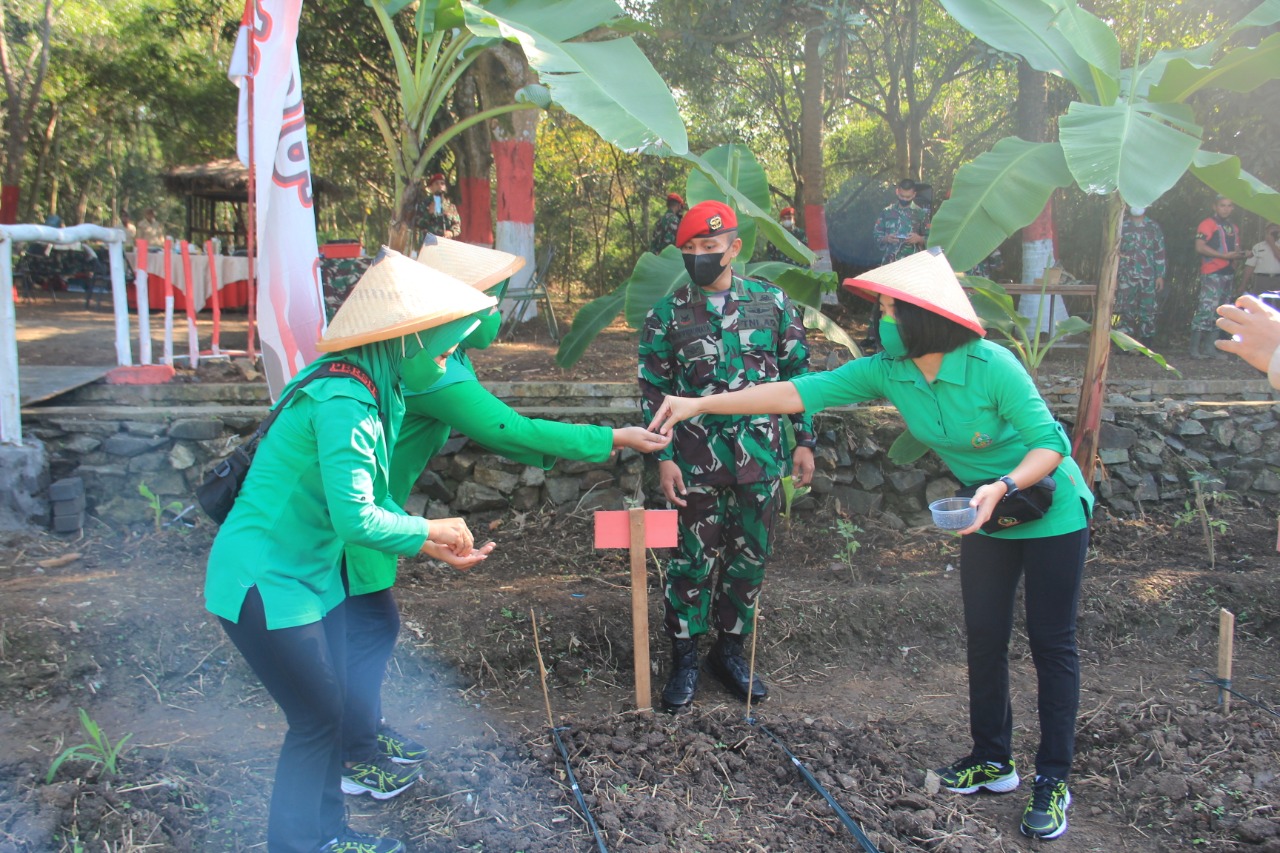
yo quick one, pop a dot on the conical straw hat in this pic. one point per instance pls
(925, 279)
(395, 297)
(477, 266)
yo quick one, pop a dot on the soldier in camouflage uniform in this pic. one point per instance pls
(721, 333)
(787, 216)
(1141, 275)
(338, 276)
(436, 214)
(900, 227)
(664, 233)
(1218, 244)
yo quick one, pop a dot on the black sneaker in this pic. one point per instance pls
(397, 747)
(358, 842)
(379, 777)
(1046, 815)
(969, 774)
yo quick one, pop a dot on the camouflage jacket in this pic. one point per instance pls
(899, 221)
(773, 253)
(1141, 251)
(689, 349)
(664, 233)
(438, 223)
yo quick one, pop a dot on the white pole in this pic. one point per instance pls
(10, 416)
(141, 291)
(168, 302)
(120, 301)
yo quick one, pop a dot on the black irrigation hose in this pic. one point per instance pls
(1225, 684)
(848, 822)
(577, 791)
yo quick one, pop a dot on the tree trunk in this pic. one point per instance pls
(514, 137)
(475, 161)
(1031, 112)
(812, 196)
(22, 95)
(1084, 442)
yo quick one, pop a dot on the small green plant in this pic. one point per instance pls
(789, 496)
(848, 533)
(99, 749)
(1197, 510)
(158, 509)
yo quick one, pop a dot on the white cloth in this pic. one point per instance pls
(229, 269)
(1263, 260)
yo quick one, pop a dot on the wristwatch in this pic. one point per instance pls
(1011, 488)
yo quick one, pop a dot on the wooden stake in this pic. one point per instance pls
(640, 609)
(1226, 651)
(542, 670)
(751, 664)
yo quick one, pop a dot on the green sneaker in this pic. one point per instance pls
(358, 842)
(397, 747)
(379, 777)
(970, 774)
(1046, 814)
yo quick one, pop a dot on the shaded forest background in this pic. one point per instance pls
(134, 87)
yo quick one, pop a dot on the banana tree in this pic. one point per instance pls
(608, 84)
(729, 173)
(1131, 135)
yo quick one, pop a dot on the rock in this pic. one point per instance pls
(561, 490)
(1191, 427)
(498, 480)
(473, 497)
(868, 475)
(906, 481)
(1112, 437)
(182, 457)
(1267, 481)
(123, 444)
(533, 476)
(196, 429)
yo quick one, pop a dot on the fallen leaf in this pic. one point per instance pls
(495, 524)
(58, 562)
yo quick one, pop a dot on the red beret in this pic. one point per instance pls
(436, 177)
(706, 219)
(675, 197)
(787, 210)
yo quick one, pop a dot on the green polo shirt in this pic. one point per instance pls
(981, 415)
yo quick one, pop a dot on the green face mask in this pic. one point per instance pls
(419, 373)
(891, 338)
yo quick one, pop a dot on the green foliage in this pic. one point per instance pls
(1198, 510)
(790, 494)
(849, 543)
(158, 509)
(98, 749)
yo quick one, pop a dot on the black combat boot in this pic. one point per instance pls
(682, 684)
(728, 665)
(1197, 342)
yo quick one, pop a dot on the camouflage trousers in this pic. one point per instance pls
(1137, 302)
(1215, 289)
(726, 533)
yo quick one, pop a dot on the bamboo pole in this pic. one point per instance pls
(640, 609)
(1226, 651)
(542, 670)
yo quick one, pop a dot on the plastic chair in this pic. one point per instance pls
(533, 293)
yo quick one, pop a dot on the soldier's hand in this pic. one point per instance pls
(802, 467)
(453, 533)
(672, 411)
(672, 481)
(462, 564)
(640, 439)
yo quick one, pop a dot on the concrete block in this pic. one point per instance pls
(67, 488)
(68, 507)
(68, 523)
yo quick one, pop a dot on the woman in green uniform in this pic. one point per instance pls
(457, 402)
(318, 483)
(973, 404)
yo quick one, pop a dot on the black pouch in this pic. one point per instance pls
(1029, 504)
(217, 493)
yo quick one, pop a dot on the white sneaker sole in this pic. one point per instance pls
(1057, 833)
(1000, 786)
(354, 788)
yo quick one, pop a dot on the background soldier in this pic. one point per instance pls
(721, 333)
(664, 233)
(787, 217)
(900, 227)
(436, 214)
(1141, 274)
(1218, 244)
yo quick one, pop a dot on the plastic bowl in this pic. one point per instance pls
(953, 513)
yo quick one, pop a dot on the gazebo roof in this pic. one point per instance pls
(224, 180)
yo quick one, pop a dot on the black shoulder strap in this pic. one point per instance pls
(331, 368)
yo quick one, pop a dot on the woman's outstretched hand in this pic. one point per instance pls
(459, 562)
(672, 411)
(639, 439)
(452, 533)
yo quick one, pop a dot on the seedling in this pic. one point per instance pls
(99, 749)
(1198, 510)
(848, 533)
(158, 509)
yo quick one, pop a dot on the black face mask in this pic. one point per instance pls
(704, 269)
(905, 201)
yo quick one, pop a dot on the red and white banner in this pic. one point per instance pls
(290, 305)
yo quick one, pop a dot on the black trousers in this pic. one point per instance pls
(373, 622)
(303, 668)
(1053, 568)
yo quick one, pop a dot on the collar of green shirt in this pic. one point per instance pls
(954, 369)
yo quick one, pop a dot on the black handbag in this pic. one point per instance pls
(1029, 504)
(221, 486)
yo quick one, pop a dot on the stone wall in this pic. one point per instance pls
(118, 437)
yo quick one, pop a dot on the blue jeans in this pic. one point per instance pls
(989, 572)
(303, 668)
